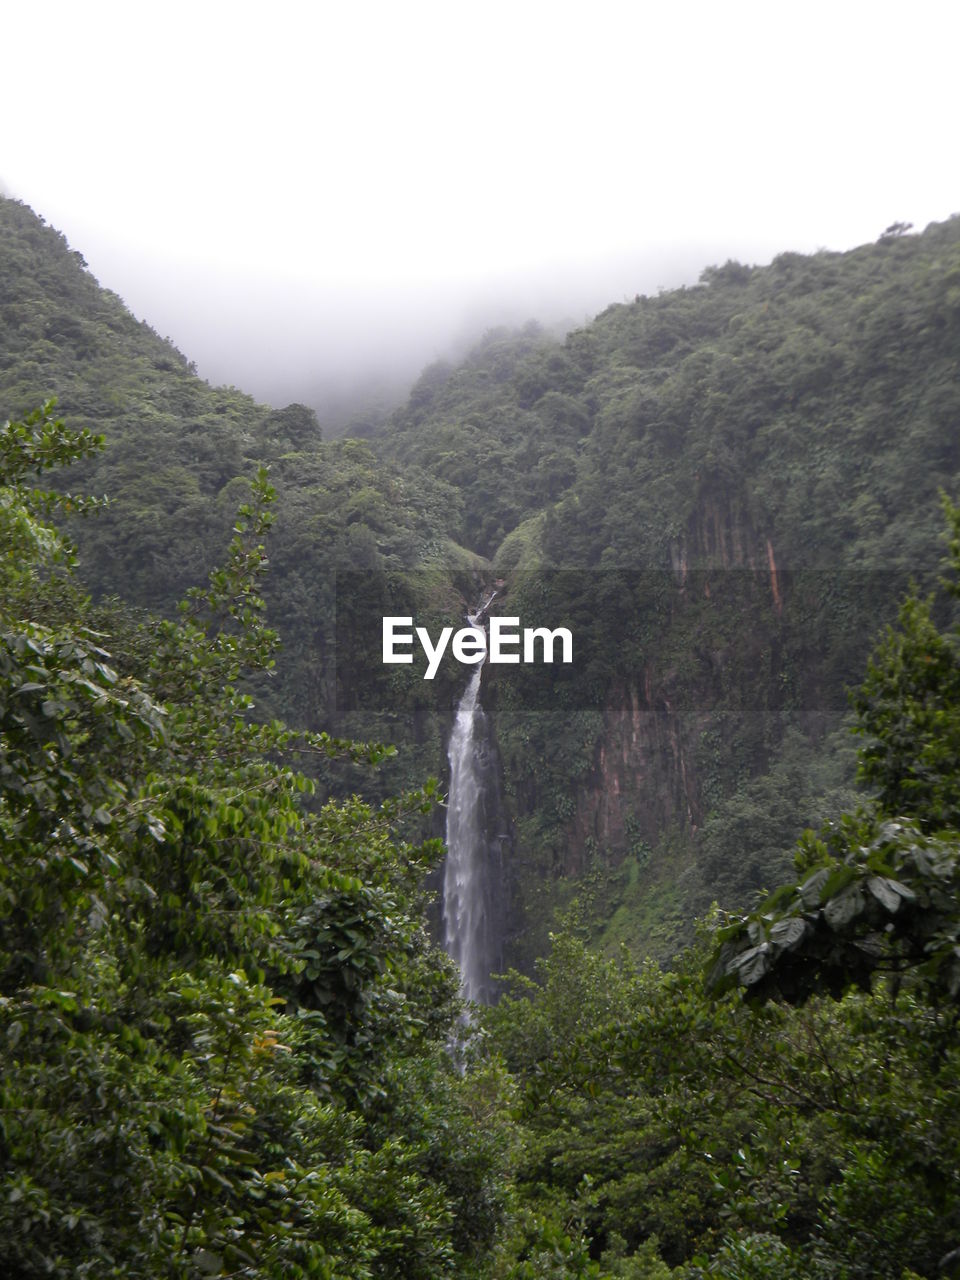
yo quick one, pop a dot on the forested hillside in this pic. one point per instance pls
(736, 481)
(776, 398)
(177, 454)
(229, 1044)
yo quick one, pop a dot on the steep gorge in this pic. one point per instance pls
(721, 489)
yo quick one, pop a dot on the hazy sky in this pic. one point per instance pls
(293, 189)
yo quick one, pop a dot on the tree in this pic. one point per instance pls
(880, 890)
(210, 993)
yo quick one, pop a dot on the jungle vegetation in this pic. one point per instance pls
(230, 1044)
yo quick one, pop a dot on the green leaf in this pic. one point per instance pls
(848, 904)
(787, 933)
(752, 965)
(890, 893)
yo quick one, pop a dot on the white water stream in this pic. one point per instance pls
(472, 874)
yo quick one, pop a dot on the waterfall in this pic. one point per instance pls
(472, 897)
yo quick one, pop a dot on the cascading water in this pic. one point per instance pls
(472, 894)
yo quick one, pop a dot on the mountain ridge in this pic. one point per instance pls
(769, 422)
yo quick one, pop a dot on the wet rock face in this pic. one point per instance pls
(644, 775)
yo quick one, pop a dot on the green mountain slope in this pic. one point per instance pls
(722, 489)
(228, 1040)
(820, 392)
(741, 475)
(175, 452)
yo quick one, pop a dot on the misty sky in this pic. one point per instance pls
(296, 192)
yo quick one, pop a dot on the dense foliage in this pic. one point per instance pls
(176, 454)
(737, 478)
(687, 1124)
(223, 1024)
(225, 1034)
(880, 890)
